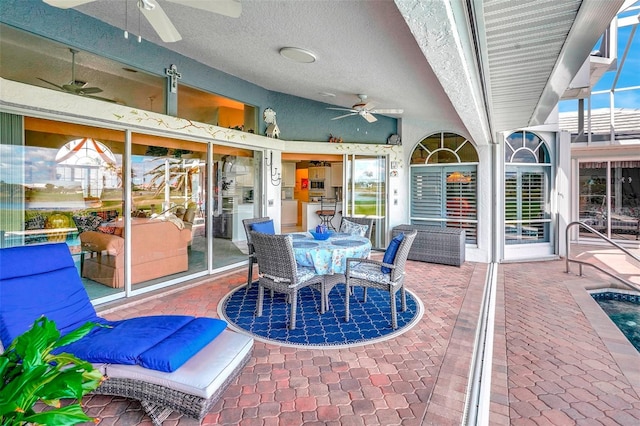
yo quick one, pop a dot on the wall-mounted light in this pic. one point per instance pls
(275, 176)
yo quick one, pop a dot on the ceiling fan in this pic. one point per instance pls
(77, 87)
(365, 110)
(159, 19)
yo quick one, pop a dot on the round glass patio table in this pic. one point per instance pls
(329, 256)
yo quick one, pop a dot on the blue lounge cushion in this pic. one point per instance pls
(125, 340)
(390, 253)
(171, 353)
(41, 280)
(264, 227)
(161, 342)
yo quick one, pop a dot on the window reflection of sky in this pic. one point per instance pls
(629, 75)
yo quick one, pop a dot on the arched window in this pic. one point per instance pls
(89, 162)
(444, 183)
(526, 189)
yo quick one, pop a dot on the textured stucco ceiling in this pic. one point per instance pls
(489, 65)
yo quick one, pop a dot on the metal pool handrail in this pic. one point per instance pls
(608, 240)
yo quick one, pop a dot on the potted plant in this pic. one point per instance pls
(31, 372)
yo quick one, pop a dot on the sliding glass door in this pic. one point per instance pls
(609, 198)
(366, 193)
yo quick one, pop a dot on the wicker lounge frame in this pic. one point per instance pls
(160, 401)
(53, 288)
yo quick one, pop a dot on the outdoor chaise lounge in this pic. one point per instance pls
(167, 362)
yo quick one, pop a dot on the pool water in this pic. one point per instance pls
(624, 311)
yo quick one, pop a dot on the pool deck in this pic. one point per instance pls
(557, 358)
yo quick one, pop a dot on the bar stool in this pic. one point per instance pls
(328, 208)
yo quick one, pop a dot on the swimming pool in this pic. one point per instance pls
(624, 310)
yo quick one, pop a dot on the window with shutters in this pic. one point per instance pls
(444, 184)
(526, 189)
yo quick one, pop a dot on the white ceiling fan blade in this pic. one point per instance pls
(369, 106)
(161, 23)
(387, 111)
(369, 117)
(230, 8)
(66, 4)
(343, 116)
(342, 109)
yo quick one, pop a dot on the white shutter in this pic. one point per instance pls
(427, 197)
(436, 202)
(526, 217)
(462, 205)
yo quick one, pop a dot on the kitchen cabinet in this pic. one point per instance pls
(336, 174)
(288, 174)
(289, 214)
(319, 173)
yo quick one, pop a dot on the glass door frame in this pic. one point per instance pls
(379, 182)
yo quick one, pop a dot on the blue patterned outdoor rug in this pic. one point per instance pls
(370, 322)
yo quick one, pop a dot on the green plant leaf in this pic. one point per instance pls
(77, 334)
(29, 373)
(67, 384)
(23, 389)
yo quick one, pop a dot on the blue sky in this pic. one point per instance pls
(629, 77)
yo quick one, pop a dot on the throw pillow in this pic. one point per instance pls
(353, 228)
(390, 253)
(264, 227)
(86, 222)
(107, 229)
(35, 222)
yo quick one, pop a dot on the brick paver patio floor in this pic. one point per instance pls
(558, 360)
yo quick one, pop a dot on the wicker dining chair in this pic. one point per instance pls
(252, 258)
(369, 273)
(280, 273)
(359, 221)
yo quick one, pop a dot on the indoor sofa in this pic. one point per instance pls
(167, 362)
(159, 247)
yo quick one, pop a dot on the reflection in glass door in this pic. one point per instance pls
(236, 196)
(168, 229)
(366, 192)
(609, 198)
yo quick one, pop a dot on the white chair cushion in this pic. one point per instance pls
(353, 228)
(369, 272)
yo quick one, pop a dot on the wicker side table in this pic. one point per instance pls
(436, 245)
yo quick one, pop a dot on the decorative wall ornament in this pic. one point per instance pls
(334, 139)
(276, 178)
(269, 116)
(273, 131)
(173, 75)
(394, 140)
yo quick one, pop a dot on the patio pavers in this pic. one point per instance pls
(545, 371)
